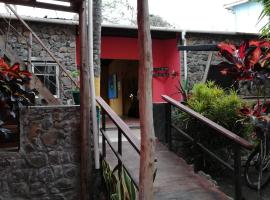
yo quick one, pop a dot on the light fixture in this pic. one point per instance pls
(55, 2)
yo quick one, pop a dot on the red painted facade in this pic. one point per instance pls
(165, 54)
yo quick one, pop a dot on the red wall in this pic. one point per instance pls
(165, 54)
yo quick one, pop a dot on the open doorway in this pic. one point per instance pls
(119, 86)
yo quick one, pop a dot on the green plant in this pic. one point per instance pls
(218, 105)
(13, 94)
(76, 75)
(120, 186)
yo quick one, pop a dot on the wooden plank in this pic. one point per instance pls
(35, 83)
(120, 124)
(175, 178)
(220, 130)
(43, 45)
(119, 157)
(205, 47)
(30, 3)
(207, 67)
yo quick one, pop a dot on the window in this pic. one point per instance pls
(48, 74)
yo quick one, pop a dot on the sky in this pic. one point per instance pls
(182, 14)
(209, 14)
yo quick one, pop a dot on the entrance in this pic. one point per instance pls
(119, 86)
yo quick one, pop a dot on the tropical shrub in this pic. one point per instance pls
(247, 63)
(216, 104)
(13, 94)
(250, 62)
(220, 106)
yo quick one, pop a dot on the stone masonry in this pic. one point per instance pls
(47, 164)
(196, 60)
(59, 38)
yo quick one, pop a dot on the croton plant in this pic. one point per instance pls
(248, 62)
(13, 94)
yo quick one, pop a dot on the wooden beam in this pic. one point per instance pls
(43, 45)
(147, 163)
(206, 47)
(35, 83)
(71, 8)
(86, 154)
(207, 67)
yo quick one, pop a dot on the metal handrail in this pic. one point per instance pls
(123, 129)
(219, 130)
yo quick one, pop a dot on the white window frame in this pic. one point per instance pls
(42, 63)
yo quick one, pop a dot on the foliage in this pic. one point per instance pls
(265, 13)
(219, 106)
(13, 92)
(214, 103)
(75, 74)
(249, 61)
(124, 12)
(118, 188)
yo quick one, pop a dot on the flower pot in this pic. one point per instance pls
(76, 97)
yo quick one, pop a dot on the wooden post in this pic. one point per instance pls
(207, 67)
(30, 52)
(168, 137)
(146, 190)
(86, 155)
(237, 173)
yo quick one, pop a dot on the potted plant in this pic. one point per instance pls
(76, 90)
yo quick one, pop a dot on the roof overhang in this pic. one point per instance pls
(132, 31)
(60, 5)
(235, 3)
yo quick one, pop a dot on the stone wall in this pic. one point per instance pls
(196, 60)
(59, 38)
(47, 164)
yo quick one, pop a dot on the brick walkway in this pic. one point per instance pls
(175, 178)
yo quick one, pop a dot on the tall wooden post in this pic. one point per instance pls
(145, 103)
(86, 156)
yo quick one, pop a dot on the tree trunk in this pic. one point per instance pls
(145, 103)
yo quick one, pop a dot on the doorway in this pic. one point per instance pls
(119, 86)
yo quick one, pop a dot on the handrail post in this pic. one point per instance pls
(104, 129)
(237, 172)
(119, 151)
(198, 155)
(168, 136)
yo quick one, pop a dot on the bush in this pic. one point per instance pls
(221, 107)
(216, 104)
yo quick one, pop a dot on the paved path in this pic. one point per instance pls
(175, 178)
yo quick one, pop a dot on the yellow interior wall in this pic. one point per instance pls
(117, 67)
(124, 69)
(97, 86)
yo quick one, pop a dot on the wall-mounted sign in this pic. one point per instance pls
(160, 72)
(112, 87)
